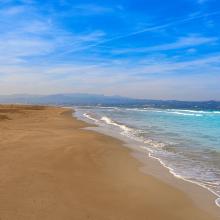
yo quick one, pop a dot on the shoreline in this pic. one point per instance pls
(189, 187)
(53, 167)
(217, 200)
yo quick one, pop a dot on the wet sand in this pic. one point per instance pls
(52, 168)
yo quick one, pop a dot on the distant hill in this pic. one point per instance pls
(88, 99)
(66, 99)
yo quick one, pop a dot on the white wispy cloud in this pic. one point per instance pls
(32, 36)
(124, 76)
(22, 47)
(34, 50)
(120, 68)
(153, 28)
(183, 42)
(202, 1)
(92, 9)
(12, 11)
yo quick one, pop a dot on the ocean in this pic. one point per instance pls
(187, 142)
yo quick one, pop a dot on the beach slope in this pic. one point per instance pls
(52, 169)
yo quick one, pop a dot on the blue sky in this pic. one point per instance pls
(138, 48)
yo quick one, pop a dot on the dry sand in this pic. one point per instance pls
(52, 169)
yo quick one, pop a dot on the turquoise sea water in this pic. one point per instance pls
(185, 141)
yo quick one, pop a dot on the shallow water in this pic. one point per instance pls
(185, 141)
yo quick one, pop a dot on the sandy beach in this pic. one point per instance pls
(51, 168)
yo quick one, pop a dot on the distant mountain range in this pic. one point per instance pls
(88, 99)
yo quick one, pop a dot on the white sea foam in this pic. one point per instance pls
(216, 112)
(217, 202)
(190, 111)
(201, 112)
(90, 117)
(195, 112)
(137, 109)
(152, 145)
(184, 112)
(111, 122)
(171, 170)
(109, 108)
